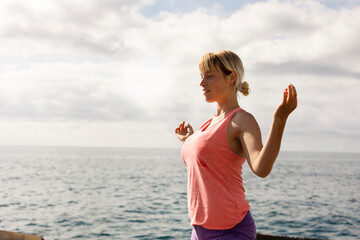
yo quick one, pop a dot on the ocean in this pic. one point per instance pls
(116, 193)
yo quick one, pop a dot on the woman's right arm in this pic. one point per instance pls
(183, 132)
(261, 158)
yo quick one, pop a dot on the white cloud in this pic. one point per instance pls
(103, 63)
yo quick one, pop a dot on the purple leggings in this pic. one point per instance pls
(244, 230)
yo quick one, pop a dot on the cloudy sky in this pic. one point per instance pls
(124, 73)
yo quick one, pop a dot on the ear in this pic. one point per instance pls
(233, 77)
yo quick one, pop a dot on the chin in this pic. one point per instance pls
(209, 100)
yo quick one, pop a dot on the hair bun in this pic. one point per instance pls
(244, 88)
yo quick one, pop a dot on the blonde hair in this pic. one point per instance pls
(226, 62)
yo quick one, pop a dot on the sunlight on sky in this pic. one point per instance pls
(125, 73)
(223, 6)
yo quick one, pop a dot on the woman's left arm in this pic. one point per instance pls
(261, 158)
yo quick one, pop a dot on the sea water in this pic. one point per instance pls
(114, 193)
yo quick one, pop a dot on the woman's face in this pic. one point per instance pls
(215, 86)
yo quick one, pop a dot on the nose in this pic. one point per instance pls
(202, 83)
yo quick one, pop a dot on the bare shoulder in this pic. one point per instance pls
(242, 122)
(243, 119)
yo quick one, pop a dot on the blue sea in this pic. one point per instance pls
(115, 193)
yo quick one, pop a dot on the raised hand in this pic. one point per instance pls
(183, 132)
(288, 104)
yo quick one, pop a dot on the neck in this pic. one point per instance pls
(227, 105)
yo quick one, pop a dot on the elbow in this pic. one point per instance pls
(261, 170)
(262, 174)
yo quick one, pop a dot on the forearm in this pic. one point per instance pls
(267, 156)
(262, 158)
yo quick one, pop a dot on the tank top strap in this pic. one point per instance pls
(225, 120)
(205, 125)
(229, 116)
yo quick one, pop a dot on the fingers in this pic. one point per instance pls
(289, 94)
(180, 128)
(292, 98)
(292, 91)
(184, 129)
(285, 96)
(189, 129)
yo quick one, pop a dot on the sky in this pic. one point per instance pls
(124, 73)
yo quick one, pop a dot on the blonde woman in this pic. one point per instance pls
(215, 153)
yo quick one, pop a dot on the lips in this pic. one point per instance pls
(205, 91)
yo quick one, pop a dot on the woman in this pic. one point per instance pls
(215, 153)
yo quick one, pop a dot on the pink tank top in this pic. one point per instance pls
(216, 196)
